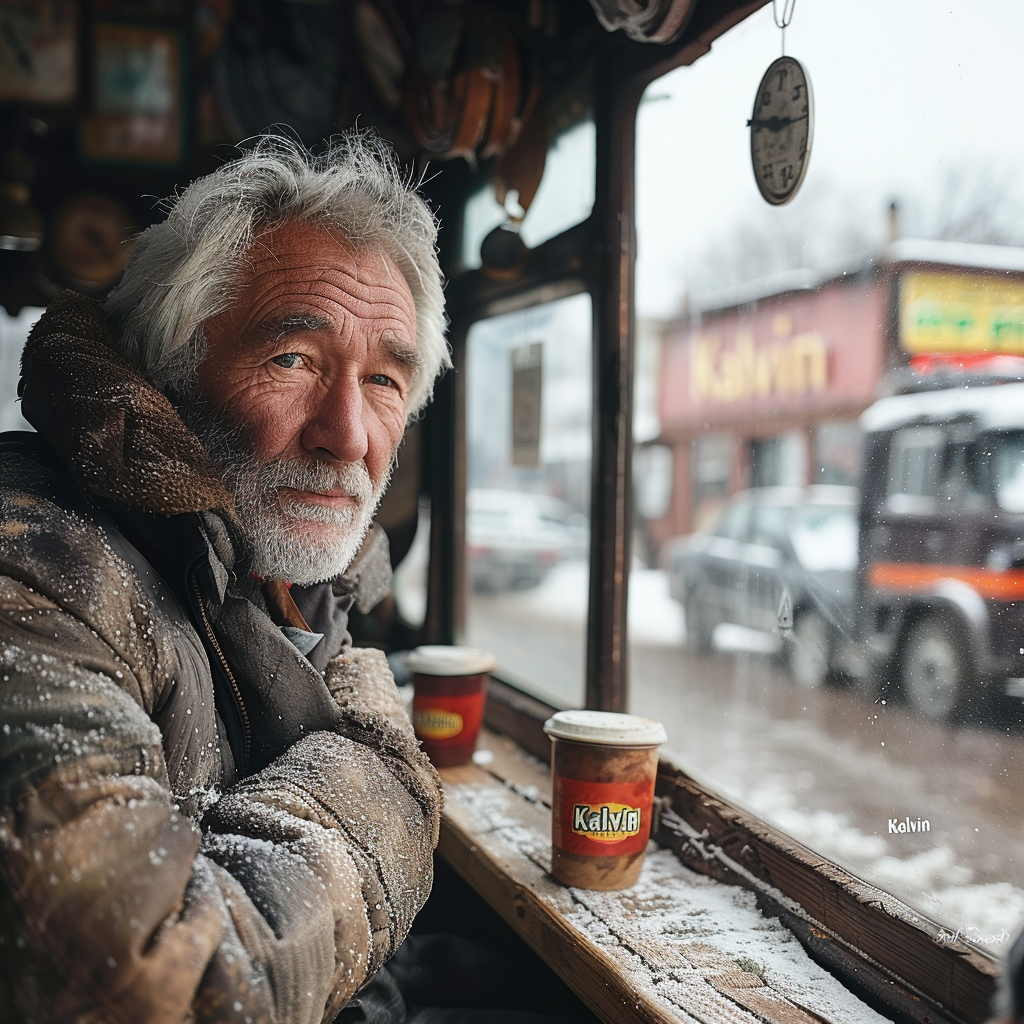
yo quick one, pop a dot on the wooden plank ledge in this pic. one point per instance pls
(886, 950)
(893, 951)
(677, 947)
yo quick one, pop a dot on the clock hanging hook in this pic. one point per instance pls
(782, 21)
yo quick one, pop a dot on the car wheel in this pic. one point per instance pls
(809, 650)
(700, 626)
(935, 668)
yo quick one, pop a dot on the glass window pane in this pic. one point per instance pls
(734, 523)
(712, 463)
(1008, 471)
(824, 537)
(528, 423)
(769, 527)
(409, 584)
(840, 393)
(564, 199)
(13, 333)
(915, 468)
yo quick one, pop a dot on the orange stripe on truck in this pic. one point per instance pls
(910, 577)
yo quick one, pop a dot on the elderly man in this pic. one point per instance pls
(212, 807)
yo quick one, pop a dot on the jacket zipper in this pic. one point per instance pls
(215, 644)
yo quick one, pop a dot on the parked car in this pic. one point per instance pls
(780, 561)
(514, 538)
(942, 527)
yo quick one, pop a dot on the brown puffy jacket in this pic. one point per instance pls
(195, 823)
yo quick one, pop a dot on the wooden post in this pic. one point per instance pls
(611, 519)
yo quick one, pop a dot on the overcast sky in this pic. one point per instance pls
(903, 90)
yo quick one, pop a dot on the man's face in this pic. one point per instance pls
(310, 367)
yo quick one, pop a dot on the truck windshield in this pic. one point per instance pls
(1008, 471)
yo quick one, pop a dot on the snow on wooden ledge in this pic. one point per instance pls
(678, 946)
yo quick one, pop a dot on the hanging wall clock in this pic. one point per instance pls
(781, 129)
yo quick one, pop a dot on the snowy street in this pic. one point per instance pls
(835, 772)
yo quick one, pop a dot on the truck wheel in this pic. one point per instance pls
(935, 668)
(699, 625)
(809, 650)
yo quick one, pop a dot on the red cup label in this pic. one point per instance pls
(602, 819)
(437, 723)
(438, 718)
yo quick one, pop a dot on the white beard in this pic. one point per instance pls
(297, 541)
(293, 540)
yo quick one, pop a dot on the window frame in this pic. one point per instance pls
(880, 947)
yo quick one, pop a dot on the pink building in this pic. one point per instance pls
(767, 387)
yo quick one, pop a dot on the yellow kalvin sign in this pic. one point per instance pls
(961, 313)
(740, 370)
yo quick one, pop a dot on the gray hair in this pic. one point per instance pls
(185, 270)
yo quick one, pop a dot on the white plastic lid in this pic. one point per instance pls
(442, 660)
(606, 727)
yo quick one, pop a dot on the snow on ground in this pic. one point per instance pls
(750, 741)
(934, 881)
(739, 639)
(562, 594)
(654, 618)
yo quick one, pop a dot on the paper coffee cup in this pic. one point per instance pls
(449, 691)
(603, 769)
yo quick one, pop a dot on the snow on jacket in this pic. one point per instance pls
(195, 823)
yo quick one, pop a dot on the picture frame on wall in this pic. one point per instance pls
(39, 52)
(137, 95)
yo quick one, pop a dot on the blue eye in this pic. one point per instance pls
(288, 360)
(382, 380)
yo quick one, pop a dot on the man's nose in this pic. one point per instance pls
(335, 430)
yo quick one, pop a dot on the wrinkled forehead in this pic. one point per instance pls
(298, 257)
(279, 245)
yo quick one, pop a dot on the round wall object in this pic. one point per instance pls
(89, 240)
(781, 130)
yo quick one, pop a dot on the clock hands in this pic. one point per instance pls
(774, 123)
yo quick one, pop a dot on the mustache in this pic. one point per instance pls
(351, 478)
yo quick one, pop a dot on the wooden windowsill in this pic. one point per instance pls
(876, 944)
(678, 947)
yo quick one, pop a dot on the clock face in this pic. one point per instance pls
(781, 129)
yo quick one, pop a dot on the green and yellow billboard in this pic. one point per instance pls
(949, 312)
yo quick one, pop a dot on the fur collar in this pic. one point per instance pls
(117, 435)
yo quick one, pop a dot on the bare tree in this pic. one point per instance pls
(973, 200)
(824, 224)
